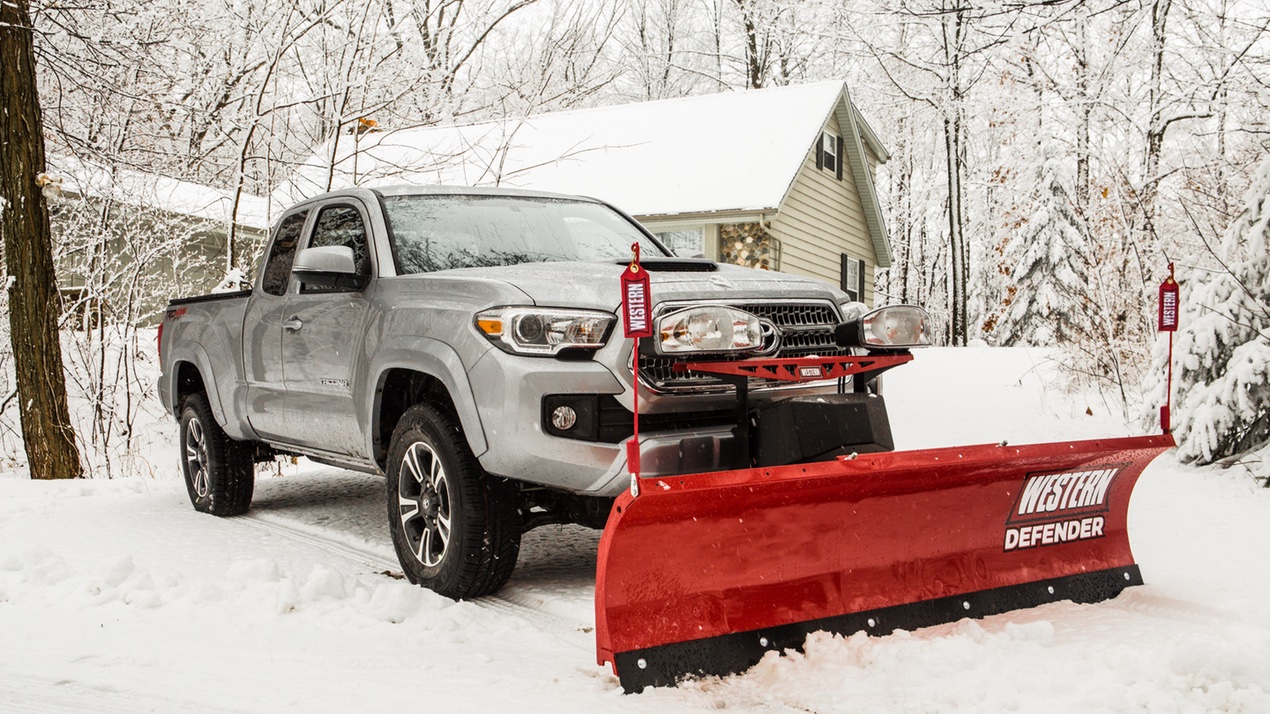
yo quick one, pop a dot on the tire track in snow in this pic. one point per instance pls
(39, 695)
(385, 564)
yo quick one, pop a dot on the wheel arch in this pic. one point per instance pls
(191, 374)
(186, 380)
(426, 371)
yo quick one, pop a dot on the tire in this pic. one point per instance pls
(455, 528)
(219, 473)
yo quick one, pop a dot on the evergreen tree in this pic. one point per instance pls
(1223, 405)
(1049, 270)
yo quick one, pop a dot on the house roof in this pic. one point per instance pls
(736, 151)
(136, 188)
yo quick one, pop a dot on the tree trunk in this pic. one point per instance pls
(1156, 126)
(755, 59)
(959, 284)
(1084, 109)
(28, 252)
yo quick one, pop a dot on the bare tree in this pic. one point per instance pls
(657, 43)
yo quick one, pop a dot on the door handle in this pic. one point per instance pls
(292, 325)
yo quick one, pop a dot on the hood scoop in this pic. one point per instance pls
(676, 265)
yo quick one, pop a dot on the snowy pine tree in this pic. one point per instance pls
(1049, 263)
(1223, 405)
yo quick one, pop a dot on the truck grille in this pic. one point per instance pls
(807, 329)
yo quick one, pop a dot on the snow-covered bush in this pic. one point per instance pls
(1223, 391)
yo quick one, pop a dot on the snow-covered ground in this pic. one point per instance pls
(116, 596)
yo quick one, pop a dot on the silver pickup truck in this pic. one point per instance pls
(467, 344)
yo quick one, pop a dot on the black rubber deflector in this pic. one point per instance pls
(729, 654)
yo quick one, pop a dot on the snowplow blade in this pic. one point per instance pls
(704, 573)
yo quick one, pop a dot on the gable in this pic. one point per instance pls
(822, 219)
(860, 144)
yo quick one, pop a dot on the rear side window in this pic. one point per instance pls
(277, 271)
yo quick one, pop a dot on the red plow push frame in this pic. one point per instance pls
(702, 574)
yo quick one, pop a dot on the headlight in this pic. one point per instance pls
(708, 329)
(894, 327)
(543, 331)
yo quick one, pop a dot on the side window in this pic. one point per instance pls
(278, 268)
(829, 153)
(852, 282)
(341, 226)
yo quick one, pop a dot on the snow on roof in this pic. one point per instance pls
(737, 151)
(171, 195)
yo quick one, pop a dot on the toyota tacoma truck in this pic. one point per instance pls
(467, 344)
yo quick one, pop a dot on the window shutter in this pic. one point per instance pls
(820, 149)
(839, 169)
(861, 283)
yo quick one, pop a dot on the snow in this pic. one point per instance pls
(719, 152)
(116, 596)
(137, 188)
(236, 279)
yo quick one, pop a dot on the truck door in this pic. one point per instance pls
(262, 332)
(322, 341)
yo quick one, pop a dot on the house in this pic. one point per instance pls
(127, 241)
(777, 178)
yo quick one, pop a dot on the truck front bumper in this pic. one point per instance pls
(509, 392)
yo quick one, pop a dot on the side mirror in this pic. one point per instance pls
(330, 267)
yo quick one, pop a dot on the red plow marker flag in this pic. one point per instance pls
(637, 321)
(1169, 302)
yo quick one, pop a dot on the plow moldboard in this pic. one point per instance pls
(702, 574)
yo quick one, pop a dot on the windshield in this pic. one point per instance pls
(433, 233)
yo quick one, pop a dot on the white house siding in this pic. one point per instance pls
(872, 158)
(822, 218)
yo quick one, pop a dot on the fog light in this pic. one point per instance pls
(563, 418)
(712, 328)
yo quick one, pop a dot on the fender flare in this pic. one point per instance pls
(433, 358)
(195, 355)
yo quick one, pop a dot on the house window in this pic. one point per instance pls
(829, 153)
(687, 242)
(852, 282)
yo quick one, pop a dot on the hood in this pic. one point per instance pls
(597, 285)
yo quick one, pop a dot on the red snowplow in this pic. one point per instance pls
(701, 574)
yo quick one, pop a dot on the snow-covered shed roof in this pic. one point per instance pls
(736, 151)
(136, 188)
